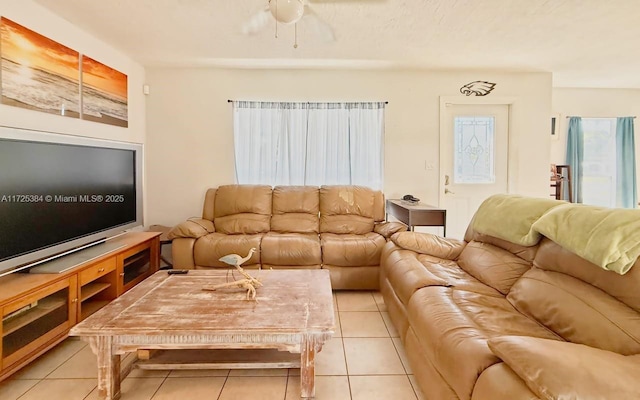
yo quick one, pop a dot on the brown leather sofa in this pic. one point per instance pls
(486, 319)
(339, 228)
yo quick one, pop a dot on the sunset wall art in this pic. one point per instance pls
(43, 75)
(37, 72)
(104, 93)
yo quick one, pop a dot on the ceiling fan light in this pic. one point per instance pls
(286, 11)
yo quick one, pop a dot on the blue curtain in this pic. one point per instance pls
(575, 155)
(626, 189)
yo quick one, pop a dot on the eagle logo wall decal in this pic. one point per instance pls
(477, 88)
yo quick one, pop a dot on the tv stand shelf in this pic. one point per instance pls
(39, 309)
(91, 289)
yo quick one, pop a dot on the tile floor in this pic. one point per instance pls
(364, 361)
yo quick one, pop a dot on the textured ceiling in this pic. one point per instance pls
(585, 43)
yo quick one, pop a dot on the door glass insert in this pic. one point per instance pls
(474, 149)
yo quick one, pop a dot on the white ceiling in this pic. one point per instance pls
(585, 43)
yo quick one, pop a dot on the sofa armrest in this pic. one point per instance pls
(560, 370)
(426, 243)
(387, 229)
(192, 228)
(182, 253)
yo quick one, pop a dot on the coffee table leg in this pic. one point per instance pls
(308, 368)
(108, 367)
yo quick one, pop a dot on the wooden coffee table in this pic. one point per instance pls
(293, 313)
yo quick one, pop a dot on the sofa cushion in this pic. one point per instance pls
(492, 265)
(527, 253)
(210, 248)
(499, 382)
(191, 228)
(558, 370)
(351, 250)
(209, 204)
(453, 327)
(346, 209)
(552, 257)
(426, 243)
(454, 276)
(299, 249)
(295, 209)
(577, 311)
(406, 274)
(242, 209)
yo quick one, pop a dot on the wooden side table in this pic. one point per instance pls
(164, 239)
(418, 214)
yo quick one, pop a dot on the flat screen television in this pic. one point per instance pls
(61, 192)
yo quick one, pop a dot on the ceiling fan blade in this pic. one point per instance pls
(317, 25)
(257, 22)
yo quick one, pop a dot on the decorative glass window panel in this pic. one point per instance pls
(474, 149)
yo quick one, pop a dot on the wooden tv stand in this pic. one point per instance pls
(38, 310)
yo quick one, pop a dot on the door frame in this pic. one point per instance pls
(512, 140)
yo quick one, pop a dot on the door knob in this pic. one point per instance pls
(447, 191)
(446, 180)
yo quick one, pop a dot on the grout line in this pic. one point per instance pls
(157, 389)
(398, 353)
(67, 359)
(224, 384)
(40, 380)
(344, 353)
(286, 387)
(415, 390)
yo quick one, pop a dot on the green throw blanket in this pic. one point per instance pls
(510, 217)
(607, 237)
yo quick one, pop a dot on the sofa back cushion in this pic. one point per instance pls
(379, 210)
(580, 301)
(295, 209)
(527, 253)
(209, 202)
(242, 209)
(492, 265)
(347, 209)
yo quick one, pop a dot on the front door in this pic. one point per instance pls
(474, 143)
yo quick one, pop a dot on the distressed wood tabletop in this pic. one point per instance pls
(293, 311)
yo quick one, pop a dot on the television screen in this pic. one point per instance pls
(53, 193)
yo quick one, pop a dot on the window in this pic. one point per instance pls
(287, 143)
(599, 163)
(474, 148)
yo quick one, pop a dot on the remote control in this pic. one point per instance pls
(177, 271)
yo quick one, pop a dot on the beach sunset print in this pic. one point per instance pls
(104, 93)
(37, 72)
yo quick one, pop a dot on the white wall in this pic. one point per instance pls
(39, 19)
(190, 131)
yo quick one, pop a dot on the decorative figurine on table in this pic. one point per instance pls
(249, 282)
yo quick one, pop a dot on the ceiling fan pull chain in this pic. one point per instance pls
(295, 43)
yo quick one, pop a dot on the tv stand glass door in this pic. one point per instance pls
(34, 320)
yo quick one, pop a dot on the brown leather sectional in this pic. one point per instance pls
(339, 228)
(487, 319)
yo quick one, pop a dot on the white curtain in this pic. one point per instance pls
(286, 143)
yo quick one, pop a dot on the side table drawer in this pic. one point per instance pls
(92, 273)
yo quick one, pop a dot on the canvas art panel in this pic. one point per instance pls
(104, 93)
(38, 73)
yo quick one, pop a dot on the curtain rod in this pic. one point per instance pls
(571, 116)
(386, 102)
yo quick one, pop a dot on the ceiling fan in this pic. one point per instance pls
(289, 12)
